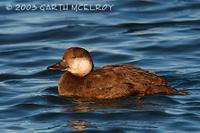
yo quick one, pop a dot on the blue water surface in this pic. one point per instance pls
(162, 36)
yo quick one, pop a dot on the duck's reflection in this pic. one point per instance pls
(81, 109)
(80, 125)
(98, 105)
(82, 106)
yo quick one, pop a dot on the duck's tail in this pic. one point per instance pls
(178, 92)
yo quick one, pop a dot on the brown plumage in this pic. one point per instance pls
(111, 81)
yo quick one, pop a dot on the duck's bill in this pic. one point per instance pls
(58, 66)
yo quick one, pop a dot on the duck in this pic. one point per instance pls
(80, 79)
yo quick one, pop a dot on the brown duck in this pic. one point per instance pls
(111, 81)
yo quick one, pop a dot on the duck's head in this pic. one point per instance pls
(75, 60)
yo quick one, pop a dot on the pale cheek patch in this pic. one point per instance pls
(81, 67)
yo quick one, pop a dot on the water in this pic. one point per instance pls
(160, 36)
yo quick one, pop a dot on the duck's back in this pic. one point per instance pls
(114, 81)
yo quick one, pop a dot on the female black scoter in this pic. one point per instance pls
(111, 81)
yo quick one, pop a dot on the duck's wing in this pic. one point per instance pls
(131, 74)
(115, 80)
